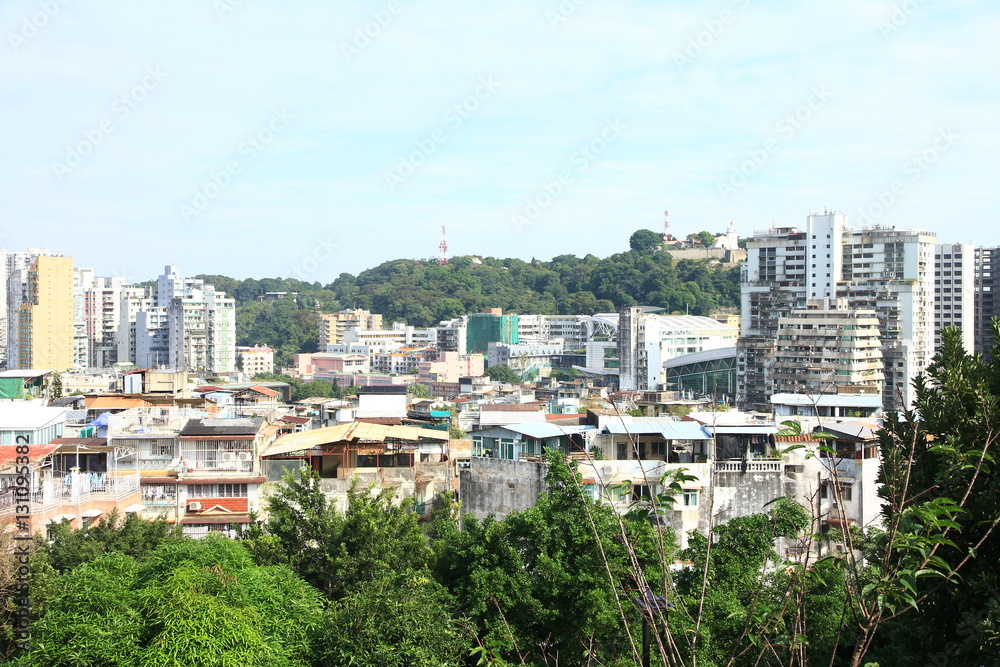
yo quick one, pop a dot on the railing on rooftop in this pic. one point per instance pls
(59, 493)
(749, 466)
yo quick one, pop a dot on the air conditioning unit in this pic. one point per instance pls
(194, 506)
(228, 456)
(245, 456)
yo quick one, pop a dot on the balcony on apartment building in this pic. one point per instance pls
(75, 479)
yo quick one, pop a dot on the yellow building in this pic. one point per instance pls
(333, 326)
(46, 318)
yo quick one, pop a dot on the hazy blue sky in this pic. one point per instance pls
(264, 138)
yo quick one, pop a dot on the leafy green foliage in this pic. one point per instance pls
(564, 374)
(392, 621)
(522, 579)
(744, 592)
(501, 373)
(418, 390)
(938, 553)
(56, 386)
(192, 602)
(134, 536)
(334, 551)
(644, 240)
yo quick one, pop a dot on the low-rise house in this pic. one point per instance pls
(848, 491)
(322, 364)
(254, 397)
(30, 423)
(72, 479)
(220, 473)
(515, 442)
(413, 461)
(625, 438)
(153, 432)
(153, 382)
(498, 414)
(842, 405)
(25, 384)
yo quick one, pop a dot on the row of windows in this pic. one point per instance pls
(217, 491)
(638, 492)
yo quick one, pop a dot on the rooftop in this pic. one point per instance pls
(240, 426)
(24, 373)
(23, 415)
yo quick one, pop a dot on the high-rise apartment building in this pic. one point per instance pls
(256, 360)
(987, 298)
(46, 317)
(333, 326)
(181, 322)
(98, 305)
(490, 326)
(542, 328)
(955, 291)
(828, 346)
(883, 269)
(133, 301)
(451, 335)
(151, 338)
(13, 290)
(202, 331)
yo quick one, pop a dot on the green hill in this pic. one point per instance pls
(423, 293)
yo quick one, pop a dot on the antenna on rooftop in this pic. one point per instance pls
(443, 247)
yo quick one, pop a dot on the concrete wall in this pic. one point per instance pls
(742, 493)
(499, 487)
(424, 482)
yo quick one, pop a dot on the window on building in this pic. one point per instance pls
(690, 498)
(640, 492)
(159, 494)
(217, 491)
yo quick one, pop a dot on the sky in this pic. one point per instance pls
(305, 139)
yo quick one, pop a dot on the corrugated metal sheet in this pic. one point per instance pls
(294, 442)
(669, 430)
(8, 453)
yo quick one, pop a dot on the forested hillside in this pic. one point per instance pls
(423, 293)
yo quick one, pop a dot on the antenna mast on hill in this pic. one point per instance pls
(443, 247)
(666, 226)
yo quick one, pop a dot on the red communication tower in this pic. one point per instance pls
(443, 247)
(666, 226)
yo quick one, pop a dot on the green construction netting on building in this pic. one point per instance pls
(11, 388)
(484, 329)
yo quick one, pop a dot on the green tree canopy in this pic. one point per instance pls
(644, 241)
(501, 373)
(193, 602)
(335, 551)
(417, 390)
